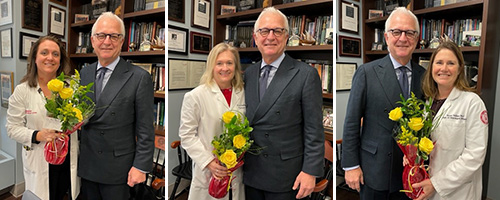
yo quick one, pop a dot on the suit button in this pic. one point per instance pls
(265, 155)
(389, 154)
(278, 112)
(113, 114)
(266, 135)
(385, 110)
(99, 152)
(102, 132)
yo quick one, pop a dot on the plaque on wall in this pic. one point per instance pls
(32, 14)
(176, 10)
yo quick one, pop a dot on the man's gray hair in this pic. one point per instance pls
(402, 10)
(271, 10)
(109, 15)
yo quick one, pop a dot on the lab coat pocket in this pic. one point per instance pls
(451, 134)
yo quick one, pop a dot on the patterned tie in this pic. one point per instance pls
(98, 81)
(403, 81)
(263, 80)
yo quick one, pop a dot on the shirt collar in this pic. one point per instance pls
(276, 63)
(396, 64)
(111, 66)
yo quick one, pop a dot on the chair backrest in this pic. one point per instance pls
(184, 159)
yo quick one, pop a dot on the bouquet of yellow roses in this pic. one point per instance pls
(69, 105)
(414, 118)
(229, 147)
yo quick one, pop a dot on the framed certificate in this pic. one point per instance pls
(200, 43)
(5, 12)
(6, 87)
(201, 14)
(57, 21)
(349, 16)
(184, 74)
(32, 11)
(25, 42)
(344, 73)
(177, 40)
(6, 41)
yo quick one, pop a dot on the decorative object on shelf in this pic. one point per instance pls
(32, 11)
(57, 21)
(177, 40)
(349, 20)
(201, 14)
(98, 7)
(6, 87)
(145, 44)
(200, 43)
(81, 18)
(471, 38)
(423, 44)
(349, 46)
(159, 42)
(227, 9)
(434, 43)
(390, 5)
(375, 13)
(60, 2)
(25, 42)
(6, 41)
(344, 74)
(184, 74)
(294, 40)
(265, 4)
(307, 39)
(6, 16)
(176, 10)
(245, 5)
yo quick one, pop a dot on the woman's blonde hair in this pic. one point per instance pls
(429, 86)
(208, 75)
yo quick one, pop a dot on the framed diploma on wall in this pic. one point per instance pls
(184, 74)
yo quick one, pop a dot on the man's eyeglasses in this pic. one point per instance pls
(409, 33)
(113, 36)
(264, 32)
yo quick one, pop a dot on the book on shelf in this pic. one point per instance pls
(159, 113)
(157, 71)
(327, 117)
(153, 4)
(318, 27)
(452, 29)
(84, 45)
(325, 72)
(138, 32)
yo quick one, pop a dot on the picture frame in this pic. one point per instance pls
(32, 15)
(57, 21)
(184, 74)
(200, 43)
(349, 17)
(176, 10)
(146, 66)
(6, 87)
(201, 14)
(227, 9)
(177, 40)
(26, 40)
(81, 18)
(375, 13)
(349, 46)
(5, 12)
(344, 74)
(6, 41)
(60, 2)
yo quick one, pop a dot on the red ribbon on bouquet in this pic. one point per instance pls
(413, 172)
(218, 188)
(55, 151)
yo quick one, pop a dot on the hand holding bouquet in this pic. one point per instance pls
(414, 118)
(69, 105)
(229, 148)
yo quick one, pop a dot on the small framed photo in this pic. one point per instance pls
(57, 21)
(374, 46)
(349, 46)
(6, 41)
(5, 12)
(177, 40)
(201, 14)
(227, 9)
(25, 42)
(200, 43)
(349, 16)
(375, 13)
(6, 87)
(81, 18)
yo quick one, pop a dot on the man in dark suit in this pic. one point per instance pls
(116, 147)
(284, 99)
(372, 160)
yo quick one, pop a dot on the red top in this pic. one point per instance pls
(227, 95)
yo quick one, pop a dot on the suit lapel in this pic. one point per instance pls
(387, 78)
(252, 89)
(117, 80)
(281, 79)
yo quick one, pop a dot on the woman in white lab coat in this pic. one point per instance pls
(220, 90)
(27, 123)
(461, 134)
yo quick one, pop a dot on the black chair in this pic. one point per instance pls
(339, 171)
(181, 171)
(320, 190)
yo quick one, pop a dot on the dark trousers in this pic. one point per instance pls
(59, 179)
(257, 194)
(98, 191)
(368, 193)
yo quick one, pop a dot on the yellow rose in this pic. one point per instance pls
(415, 123)
(55, 85)
(78, 114)
(396, 114)
(425, 145)
(227, 116)
(228, 158)
(66, 93)
(239, 141)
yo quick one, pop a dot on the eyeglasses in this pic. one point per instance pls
(264, 32)
(113, 36)
(409, 33)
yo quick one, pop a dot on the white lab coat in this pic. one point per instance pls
(461, 137)
(26, 114)
(201, 115)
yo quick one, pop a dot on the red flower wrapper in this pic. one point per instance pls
(414, 172)
(218, 188)
(55, 152)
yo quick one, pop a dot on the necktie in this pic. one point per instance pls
(263, 80)
(98, 81)
(403, 81)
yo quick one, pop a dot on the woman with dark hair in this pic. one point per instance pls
(27, 123)
(461, 129)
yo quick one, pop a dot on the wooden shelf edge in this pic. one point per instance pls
(296, 48)
(160, 94)
(328, 95)
(144, 12)
(123, 53)
(159, 130)
(447, 7)
(87, 23)
(257, 11)
(375, 20)
(82, 55)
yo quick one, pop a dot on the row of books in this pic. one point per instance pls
(436, 3)
(145, 36)
(159, 113)
(325, 72)
(457, 30)
(242, 5)
(240, 35)
(84, 44)
(318, 27)
(148, 4)
(157, 71)
(96, 7)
